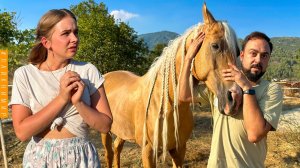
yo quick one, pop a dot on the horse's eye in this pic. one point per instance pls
(215, 46)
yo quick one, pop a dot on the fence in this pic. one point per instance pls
(291, 92)
(2, 139)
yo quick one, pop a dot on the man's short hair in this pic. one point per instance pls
(257, 35)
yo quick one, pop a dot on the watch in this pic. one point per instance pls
(249, 91)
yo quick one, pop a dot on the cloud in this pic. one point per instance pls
(123, 15)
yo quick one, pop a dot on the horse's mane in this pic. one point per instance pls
(165, 65)
(231, 40)
(171, 49)
(168, 52)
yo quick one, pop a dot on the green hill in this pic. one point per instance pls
(288, 45)
(285, 59)
(163, 37)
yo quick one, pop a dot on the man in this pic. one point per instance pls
(240, 140)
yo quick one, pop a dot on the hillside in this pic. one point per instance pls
(152, 39)
(284, 63)
(288, 45)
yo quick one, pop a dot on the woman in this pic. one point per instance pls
(55, 99)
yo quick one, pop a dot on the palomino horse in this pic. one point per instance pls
(146, 109)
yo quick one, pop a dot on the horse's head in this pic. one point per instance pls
(218, 49)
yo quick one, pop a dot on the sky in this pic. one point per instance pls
(276, 18)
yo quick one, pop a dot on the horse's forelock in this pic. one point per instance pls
(231, 40)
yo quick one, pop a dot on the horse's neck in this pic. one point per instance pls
(165, 72)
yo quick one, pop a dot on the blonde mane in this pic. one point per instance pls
(165, 65)
(153, 116)
(231, 40)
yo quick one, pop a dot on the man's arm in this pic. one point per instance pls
(255, 124)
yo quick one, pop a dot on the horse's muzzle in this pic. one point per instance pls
(233, 102)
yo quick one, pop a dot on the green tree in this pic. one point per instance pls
(108, 44)
(17, 42)
(19, 49)
(8, 27)
(297, 65)
(156, 52)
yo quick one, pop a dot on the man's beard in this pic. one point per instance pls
(253, 77)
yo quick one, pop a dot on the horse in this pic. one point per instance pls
(146, 109)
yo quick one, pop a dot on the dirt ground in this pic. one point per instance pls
(283, 145)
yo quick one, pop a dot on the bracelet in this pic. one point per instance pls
(249, 91)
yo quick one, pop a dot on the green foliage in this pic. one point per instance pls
(107, 44)
(8, 27)
(19, 49)
(17, 42)
(285, 62)
(156, 52)
(112, 45)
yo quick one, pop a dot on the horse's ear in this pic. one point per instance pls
(207, 16)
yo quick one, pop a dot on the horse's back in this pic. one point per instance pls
(121, 88)
(119, 78)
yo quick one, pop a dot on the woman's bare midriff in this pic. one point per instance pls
(58, 133)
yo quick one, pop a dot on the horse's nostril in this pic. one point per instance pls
(229, 96)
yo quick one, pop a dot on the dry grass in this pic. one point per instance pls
(283, 145)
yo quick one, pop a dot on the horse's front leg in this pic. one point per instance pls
(118, 146)
(107, 143)
(178, 156)
(147, 156)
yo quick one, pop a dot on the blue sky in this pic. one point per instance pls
(277, 18)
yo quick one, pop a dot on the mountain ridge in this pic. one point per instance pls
(161, 37)
(286, 44)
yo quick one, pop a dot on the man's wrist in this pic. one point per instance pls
(249, 92)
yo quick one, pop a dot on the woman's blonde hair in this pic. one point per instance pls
(38, 53)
